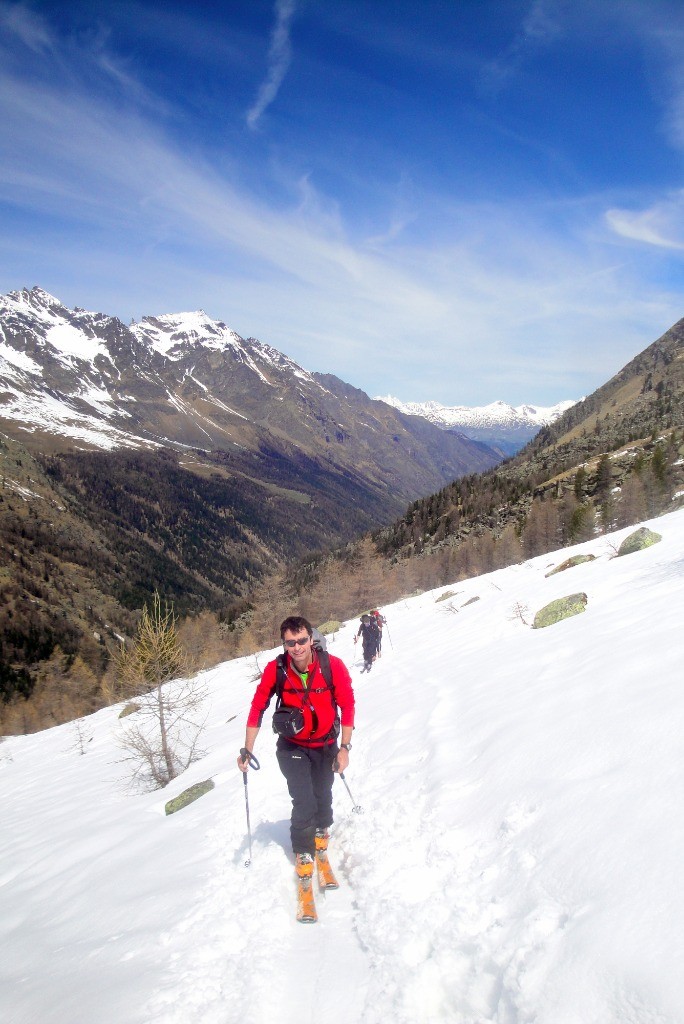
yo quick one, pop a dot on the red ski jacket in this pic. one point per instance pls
(316, 693)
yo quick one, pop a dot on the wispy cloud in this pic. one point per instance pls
(27, 26)
(661, 224)
(540, 26)
(658, 29)
(279, 57)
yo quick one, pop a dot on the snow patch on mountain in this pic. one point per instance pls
(55, 415)
(99, 398)
(166, 334)
(11, 359)
(72, 343)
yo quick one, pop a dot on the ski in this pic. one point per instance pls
(306, 906)
(326, 876)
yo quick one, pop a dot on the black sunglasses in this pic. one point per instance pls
(297, 643)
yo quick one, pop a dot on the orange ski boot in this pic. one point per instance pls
(326, 878)
(306, 906)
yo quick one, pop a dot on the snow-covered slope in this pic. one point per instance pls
(518, 859)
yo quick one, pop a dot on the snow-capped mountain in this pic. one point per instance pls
(184, 380)
(498, 424)
(496, 414)
(87, 376)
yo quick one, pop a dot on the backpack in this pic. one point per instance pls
(319, 641)
(326, 672)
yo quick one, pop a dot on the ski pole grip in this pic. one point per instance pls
(247, 755)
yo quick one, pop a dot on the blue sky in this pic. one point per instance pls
(462, 201)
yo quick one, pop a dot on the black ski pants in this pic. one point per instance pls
(369, 649)
(309, 775)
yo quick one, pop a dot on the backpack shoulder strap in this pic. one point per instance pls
(281, 676)
(326, 672)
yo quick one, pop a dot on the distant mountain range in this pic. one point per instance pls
(609, 460)
(499, 425)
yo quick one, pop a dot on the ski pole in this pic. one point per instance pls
(388, 636)
(247, 755)
(355, 808)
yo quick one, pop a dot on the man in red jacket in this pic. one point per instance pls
(308, 758)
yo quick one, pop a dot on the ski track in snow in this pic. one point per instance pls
(251, 909)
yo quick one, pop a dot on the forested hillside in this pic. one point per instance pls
(86, 539)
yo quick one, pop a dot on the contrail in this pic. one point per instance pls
(279, 55)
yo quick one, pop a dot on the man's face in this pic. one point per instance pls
(300, 651)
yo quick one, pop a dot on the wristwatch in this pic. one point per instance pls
(346, 746)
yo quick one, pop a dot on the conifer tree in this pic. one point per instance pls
(160, 741)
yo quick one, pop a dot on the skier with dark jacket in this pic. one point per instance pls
(309, 757)
(370, 640)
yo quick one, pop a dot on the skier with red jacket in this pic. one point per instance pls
(311, 686)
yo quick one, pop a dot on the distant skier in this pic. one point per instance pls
(380, 622)
(370, 638)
